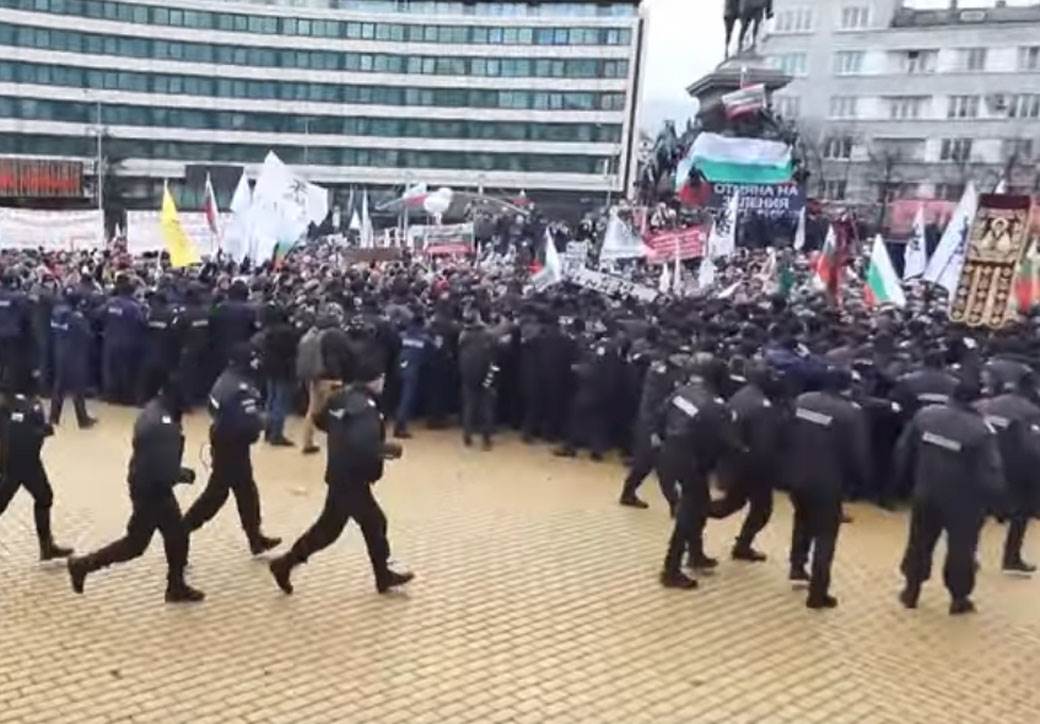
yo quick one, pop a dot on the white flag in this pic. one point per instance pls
(284, 205)
(799, 234)
(619, 242)
(915, 258)
(355, 222)
(552, 272)
(367, 235)
(235, 242)
(664, 282)
(723, 238)
(706, 274)
(944, 268)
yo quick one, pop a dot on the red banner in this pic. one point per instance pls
(34, 178)
(690, 243)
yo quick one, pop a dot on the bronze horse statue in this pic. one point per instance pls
(750, 13)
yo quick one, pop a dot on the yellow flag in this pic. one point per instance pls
(182, 249)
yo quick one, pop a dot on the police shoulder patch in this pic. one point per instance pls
(816, 418)
(998, 421)
(946, 443)
(685, 405)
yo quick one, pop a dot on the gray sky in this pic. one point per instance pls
(685, 42)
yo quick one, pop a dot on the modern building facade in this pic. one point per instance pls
(898, 102)
(501, 95)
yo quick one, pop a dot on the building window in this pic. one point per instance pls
(848, 62)
(855, 17)
(899, 149)
(843, 106)
(949, 192)
(955, 149)
(972, 59)
(1025, 105)
(790, 63)
(787, 106)
(838, 147)
(793, 20)
(920, 61)
(963, 107)
(1018, 149)
(835, 190)
(1029, 58)
(906, 107)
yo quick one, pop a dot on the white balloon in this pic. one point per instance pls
(436, 203)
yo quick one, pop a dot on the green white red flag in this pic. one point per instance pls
(883, 285)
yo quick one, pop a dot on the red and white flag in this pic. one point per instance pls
(210, 208)
(744, 101)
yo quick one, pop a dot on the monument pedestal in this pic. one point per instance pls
(743, 69)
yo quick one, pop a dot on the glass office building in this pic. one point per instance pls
(504, 95)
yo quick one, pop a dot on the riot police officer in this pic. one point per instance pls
(658, 383)
(234, 406)
(192, 326)
(697, 430)
(233, 322)
(72, 337)
(162, 346)
(1016, 419)
(123, 329)
(23, 429)
(155, 467)
(14, 338)
(749, 476)
(357, 448)
(477, 371)
(953, 459)
(829, 454)
(412, 358)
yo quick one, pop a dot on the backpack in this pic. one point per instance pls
(310, 364)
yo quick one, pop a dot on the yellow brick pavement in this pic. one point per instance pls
(536, 601)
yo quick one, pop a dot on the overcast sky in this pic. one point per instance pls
(686, 42)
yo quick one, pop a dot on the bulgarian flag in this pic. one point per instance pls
(210, 208)
(746, 100)
(883, 285)
(826, 264)
(1027, 283)
(728, 159)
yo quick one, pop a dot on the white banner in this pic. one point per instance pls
(51, 230)
(444, 239)
(575, 256)
(143, 232)
(609, 284)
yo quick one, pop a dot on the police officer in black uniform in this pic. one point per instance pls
(829, 454)
(72, 338)
(234, 406)
(1015, 417)
(357, 448)
(953, 459)
(14, 334)
(697, 430)
(162, 346)
(477, 371)
(192, 325)
(749, 476)
(658, 384)
(23, 428)
(155, 467)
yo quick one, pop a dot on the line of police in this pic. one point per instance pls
(573, 367)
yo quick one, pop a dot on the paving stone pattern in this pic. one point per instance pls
(536, 601)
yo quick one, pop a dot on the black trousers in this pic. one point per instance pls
(343, 502)
(151, 514)
(740, 492)
(478, 410)
(34, 479)
(927, 522)
(587, 426)
(232, 472)
(644, 460)
(817, 520)
(675, 468)
(61, 390)
(1016, 535)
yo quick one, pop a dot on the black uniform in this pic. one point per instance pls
(477, 371)
(155, 467)
(1016, 421)
(748, 477)
(658, 383)
(161, 351)
(23, 429)
(234, 406)
(829, 454)
(952, 457)
(697, 430)
(15, 347)
(356, 450)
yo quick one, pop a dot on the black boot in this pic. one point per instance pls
(392, 579)
(744, 552)
(630, 500)
(677, 579)
(961, 606)
(48, 549)
(909, 595)
(798, 575)
(281, 569)
(821, 601)
(177, 591)
(701, 562)
(261, 544)
(78, 569)
(1017, 565)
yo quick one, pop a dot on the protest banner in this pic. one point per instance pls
(665, 246)
(446, 240)
(767, 199)
(611, 285)
(575, 256)
(144, 232)
(369, 255)
(50, 230)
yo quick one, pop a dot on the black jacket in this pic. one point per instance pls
(356, 437)
(828, 446)
(477, 347)
(698, 426)
(760, 425)
(23, 428)
(924, 387)
(234, 406)
(953, 458)
(278, 352)
(158, 446)
(1016, 421)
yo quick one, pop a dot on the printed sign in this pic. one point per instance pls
(450, 239)
(611, 285)
(51, 230)
(768, 199)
